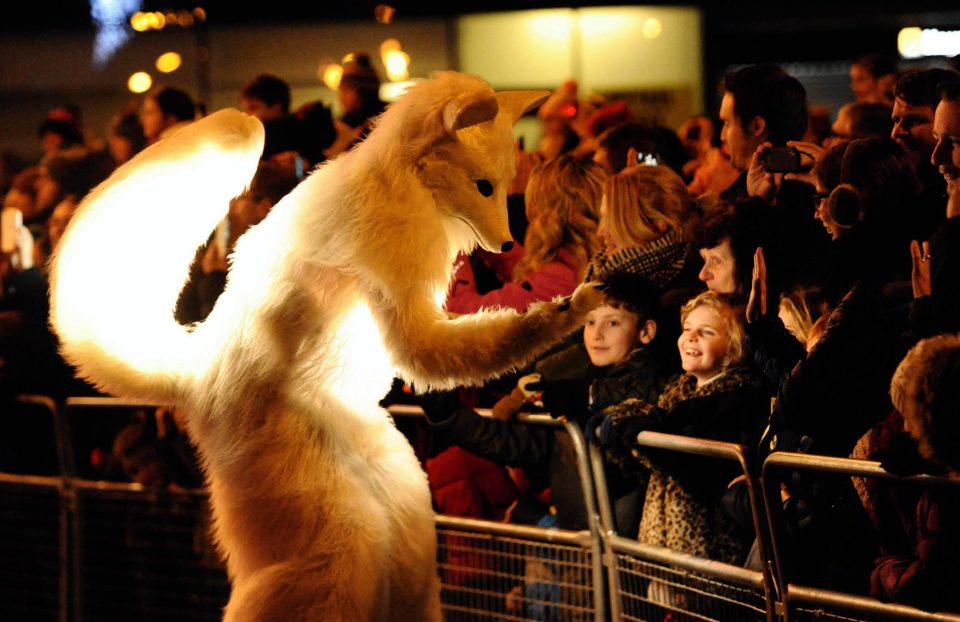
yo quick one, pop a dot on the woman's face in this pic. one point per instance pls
(719, 268)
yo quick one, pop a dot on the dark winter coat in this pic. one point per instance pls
(549, 450)
(682, 509)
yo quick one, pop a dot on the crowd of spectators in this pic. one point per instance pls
(807, 305)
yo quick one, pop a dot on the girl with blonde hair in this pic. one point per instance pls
(717, 397)
(562, 205)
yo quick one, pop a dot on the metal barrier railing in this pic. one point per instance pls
(642, 576)
(144, 555)
(91, 424)
(514, 572)
(34, 549)
(552, 574)
(802, 603)
(33, 437)
(80, 550)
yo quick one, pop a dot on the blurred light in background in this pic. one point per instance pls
(110, 17)
(168, 62)
(609, 49)
(395, 60)
(916, 43)
(391, 91)
(184, 19)
(548, 25)
(139, 82)
(652, 28)
(330, 74)
(397, 64)
(384, 13)
(158, 20)
(388, 45)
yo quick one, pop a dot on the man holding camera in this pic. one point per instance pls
(764, 115)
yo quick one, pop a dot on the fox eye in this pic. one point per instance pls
(485, 187)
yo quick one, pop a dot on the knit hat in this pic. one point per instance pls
(359, 73)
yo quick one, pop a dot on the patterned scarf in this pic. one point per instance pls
(684, 387)
(659, 261)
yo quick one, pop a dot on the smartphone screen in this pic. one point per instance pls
(647, 159)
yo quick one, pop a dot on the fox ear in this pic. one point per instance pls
(468, 109)
(514, 104)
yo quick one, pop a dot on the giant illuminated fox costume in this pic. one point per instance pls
(321, 508)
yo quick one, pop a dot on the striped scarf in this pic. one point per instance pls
(659, 261)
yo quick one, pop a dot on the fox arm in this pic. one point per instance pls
(435, 351)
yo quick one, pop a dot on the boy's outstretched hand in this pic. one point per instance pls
(563, 397)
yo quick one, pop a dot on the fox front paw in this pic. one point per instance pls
(584, 299)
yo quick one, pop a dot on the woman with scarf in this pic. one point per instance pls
(647, 219)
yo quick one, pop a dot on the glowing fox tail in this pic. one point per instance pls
(119, 269)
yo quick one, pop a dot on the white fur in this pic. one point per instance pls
(321, 508)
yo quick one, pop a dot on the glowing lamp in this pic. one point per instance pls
(139, 82)
(397, 64)
(168, 62)
(652, 28)
(330, 74)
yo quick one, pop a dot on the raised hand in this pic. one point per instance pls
(757, 303)
(920, 275)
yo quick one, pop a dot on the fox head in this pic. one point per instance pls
(462, 147)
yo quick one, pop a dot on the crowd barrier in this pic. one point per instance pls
(802, 603)
(77, 550)
(648, 582)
